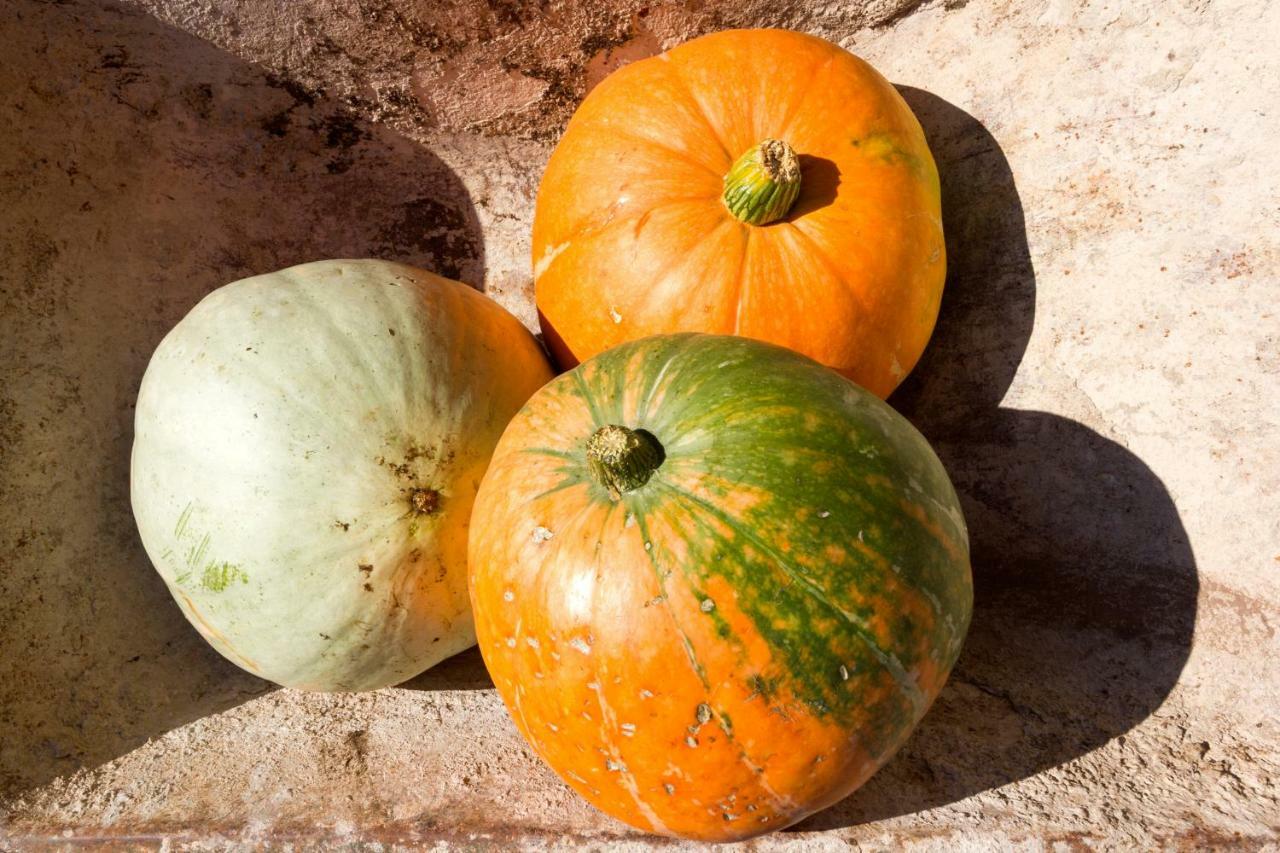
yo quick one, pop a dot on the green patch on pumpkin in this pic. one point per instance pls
(218, 576)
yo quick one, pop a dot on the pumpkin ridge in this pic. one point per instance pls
(820, 252)
(609, 725)
(271, 382)
(642, 408)
(350, 354)
(741, 296)
(584, 390)
(568, 482)
(674, 71)
(585, 235)
(673, 264)
(799, 103)
(698, 669)
(566, 455)
(886, 658)
(785, 804)
(667, 149)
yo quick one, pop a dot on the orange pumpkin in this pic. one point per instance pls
(715, 584)
(671, 204)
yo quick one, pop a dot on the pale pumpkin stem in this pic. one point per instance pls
(424, 501)
(621, 459)
(761, 187)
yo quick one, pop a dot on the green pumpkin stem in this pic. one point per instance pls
(621, 459)
(761, 187)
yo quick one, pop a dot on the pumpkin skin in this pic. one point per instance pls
(631, 204)
(307, 448)
(744, 639)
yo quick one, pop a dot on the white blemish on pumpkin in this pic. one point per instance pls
(538, 674)
(614, 766)
(646, 694)
(508, 596)
(593, 685)
(826, 513)
(950, 512)
(587, 716)
(555, 656)
(575, 777)
(630, 520)
(669, 788)
(707, 605)
(844, 673)
(614, 315)
(648, 546)
(933, 600)
(548, 255)
(532, 642)
(914, 484)
(895, 367)
(628, 729)
(577, 643)
(541, 534)
(608, 720)
(553, 727)
(859, 535)
(511, 642)
(691, 741)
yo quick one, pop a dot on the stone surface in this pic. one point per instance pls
(1104, 386)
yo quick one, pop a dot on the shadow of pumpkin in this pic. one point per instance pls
(144, 168)
(1085, 583)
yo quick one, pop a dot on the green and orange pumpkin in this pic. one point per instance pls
(716, 584)
(755, 182)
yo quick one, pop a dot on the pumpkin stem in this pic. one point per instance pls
(424, 501)
(622, 459)
(761, 187)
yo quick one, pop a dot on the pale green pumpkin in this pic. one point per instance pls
(307, 448)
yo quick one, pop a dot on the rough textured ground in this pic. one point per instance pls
(1104, 386)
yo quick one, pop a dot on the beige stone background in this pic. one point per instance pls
(1104, 386)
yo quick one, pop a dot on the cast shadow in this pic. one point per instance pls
(144, 168)
(819, 181)
(463, 671)
(1085, 584)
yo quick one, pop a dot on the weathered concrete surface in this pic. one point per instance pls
(1104, 387)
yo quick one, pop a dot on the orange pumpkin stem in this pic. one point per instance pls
(621, 459)
(763, 184)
